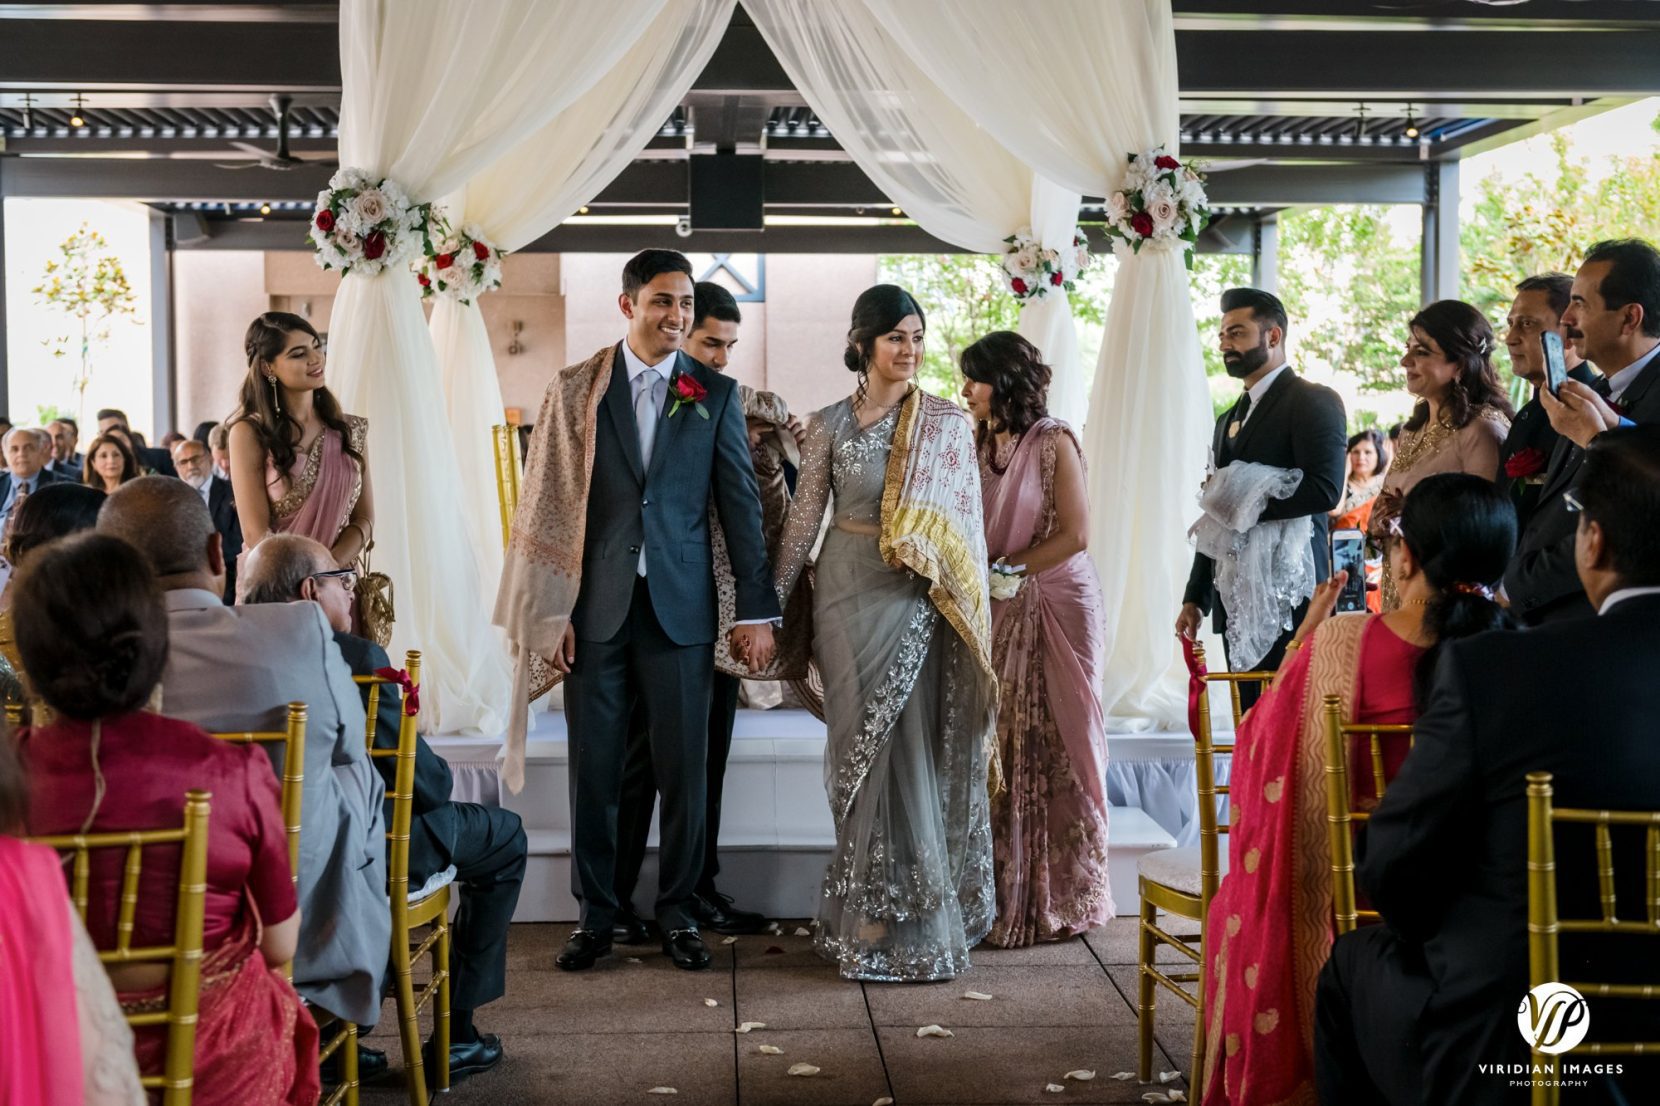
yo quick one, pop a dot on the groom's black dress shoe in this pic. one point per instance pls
(581, 950)
(715, 911)
(686, 949)
(629, 928)
(466, 1058)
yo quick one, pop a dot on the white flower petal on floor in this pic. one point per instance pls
(803, 1069)
(1169, 1076)
(711, 1002)
(747, 1026)
(729, 941)
(883, 1101)
(662, 1090)
(1123, 1075)
(803, 931)
(1155, 1096)
(1054, 1088)
(1082, 1075)
(977, 996)
(770, 1050)
(934, 1031)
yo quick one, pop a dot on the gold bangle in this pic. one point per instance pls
(1293, 645)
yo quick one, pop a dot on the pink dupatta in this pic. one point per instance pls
(322, 487)
(40, 1045)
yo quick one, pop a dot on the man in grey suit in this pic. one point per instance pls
(238, 668)
(670, 437)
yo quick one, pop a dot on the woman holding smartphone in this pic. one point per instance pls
(1272, 914)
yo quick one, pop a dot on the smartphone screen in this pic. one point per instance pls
(1556, 369)
(1348, 554)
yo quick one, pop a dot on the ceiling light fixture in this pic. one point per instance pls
(1360, 121)
(898, 211)
(1411, 124)
(78, 119)
(265, 209)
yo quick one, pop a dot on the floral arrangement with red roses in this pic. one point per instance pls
(365, 224)
(686, 391)
(1161, 206)
(1034, 272)
(1524, 467)
(459, 265)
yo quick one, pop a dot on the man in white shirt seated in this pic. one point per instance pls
(238, 668)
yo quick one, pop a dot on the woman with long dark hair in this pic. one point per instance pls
(901, 634)
(1049, 826)
(298, 463)
(1462, 417)
(1269, 927)
(110, 462)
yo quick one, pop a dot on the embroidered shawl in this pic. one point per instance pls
(932, 524)
(542, 573)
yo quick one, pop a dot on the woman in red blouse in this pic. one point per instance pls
(92, 629)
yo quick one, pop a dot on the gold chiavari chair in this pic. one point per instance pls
(1182, 882)
(183, 956)
(1545, 925)
(1341, 817)
(508, 471)
(426, 906)
(340, 1035)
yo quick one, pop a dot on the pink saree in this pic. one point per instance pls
(1049, 827)
(40, 1053)
(1270, 926)
(316, 496)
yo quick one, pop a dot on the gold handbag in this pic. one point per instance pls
(374, 602)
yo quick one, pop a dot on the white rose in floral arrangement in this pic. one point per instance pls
(1118, 208)
(1164, 213)
(370, 207)
(1023, 260)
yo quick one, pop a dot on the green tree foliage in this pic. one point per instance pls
(87, 283)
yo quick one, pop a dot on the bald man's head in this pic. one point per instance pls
(166, 519)
(278, 567)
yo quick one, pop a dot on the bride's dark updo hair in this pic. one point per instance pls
(1461, 530)
(877, 311)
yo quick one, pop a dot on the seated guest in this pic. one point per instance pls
(195, 468)
(109, 462)
(1462, 414)
(1408, 1009)
(1613, 319)
(238, 668)
(1537, 309)
(52, 512)
(1271, 918)
(66, 1040)
(27, 452)
(171, 439)
(219, 444)
(1367, 461)
(485, 844)
(106, 764)
(66, 459)
(150, 460)
(5, 428)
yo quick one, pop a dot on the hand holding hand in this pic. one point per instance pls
(1189, 621)
(566, 656)
(752, 644)
(1577, 412)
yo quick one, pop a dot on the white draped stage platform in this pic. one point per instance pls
(776, 832)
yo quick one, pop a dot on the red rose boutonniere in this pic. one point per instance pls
(1524, 463)
(687, 392)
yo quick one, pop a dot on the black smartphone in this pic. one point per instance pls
(1556, 368)
(1348, 554)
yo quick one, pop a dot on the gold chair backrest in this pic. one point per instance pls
(508, 472)
(402, 794)
(1341, 817)
(1545, 925)
(183, 955)
(1211, 827)
(292, 739)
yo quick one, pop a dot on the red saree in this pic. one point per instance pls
(1269, 928)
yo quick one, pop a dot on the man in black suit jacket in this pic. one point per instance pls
(486, 845)
(1538, 307)
(1281, 420)
(27, 452)
(1613, 318)
(1408, 1009)
(195, 467)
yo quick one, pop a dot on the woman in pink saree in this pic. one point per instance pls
(298, 463)
(1049, 827)
(1270, 925)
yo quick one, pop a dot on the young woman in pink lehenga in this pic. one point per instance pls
(298, 463)
(1049, 827)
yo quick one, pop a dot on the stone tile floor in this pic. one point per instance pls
(609, 1035)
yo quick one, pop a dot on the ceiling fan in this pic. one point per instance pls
(279, 158)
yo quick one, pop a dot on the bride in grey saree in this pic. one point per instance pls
(902, 640)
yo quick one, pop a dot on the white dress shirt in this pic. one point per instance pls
(1260, 389)
(1620, 381)
(1622, 595)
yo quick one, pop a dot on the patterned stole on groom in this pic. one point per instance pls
(542, 574)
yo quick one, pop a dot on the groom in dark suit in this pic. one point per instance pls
(1281, 420)
(670, 435)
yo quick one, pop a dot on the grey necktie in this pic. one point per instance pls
(649, 389)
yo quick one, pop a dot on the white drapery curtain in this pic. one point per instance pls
(926, 153)
(533, 188)
(1069, 88)
(434, 92)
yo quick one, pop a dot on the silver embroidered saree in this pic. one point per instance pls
(908, 703)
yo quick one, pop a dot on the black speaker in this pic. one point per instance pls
(727, 191)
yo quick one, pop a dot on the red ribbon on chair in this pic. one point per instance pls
(1196, 686)
(411, 692)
